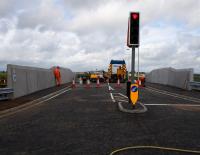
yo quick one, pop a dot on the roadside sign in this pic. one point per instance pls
(134, 93)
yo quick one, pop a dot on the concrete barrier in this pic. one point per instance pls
(173, 77)
(26, 80)
(66, 75)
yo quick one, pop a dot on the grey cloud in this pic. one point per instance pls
(47, 32)
(190, 41)
(176, 11)
(79, 4)
(6, 7)
(44, 64)
(12, 7)
(101, 40)
(5, 25)
(184, 53)
(27, 46)
(45, 16)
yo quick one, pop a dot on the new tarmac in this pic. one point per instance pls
(87, 121)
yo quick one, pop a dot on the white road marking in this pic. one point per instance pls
(111, 95)
(25, 107)
(192, 99)
(122, 95)
(119, 101)
(174, 95)
(122, 100)
(50, 94)
(118, 96)
(109, 87)
(187, 105)
(55, 95)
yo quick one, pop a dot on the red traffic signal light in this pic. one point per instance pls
(135, 16)
(133, 29)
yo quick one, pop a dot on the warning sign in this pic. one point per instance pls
(134, 93)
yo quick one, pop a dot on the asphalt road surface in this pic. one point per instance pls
(87, 121)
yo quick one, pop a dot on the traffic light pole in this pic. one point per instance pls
(133, 65)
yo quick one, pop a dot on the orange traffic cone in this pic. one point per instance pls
(80, 81)
(98, 84)
(87, 84)
(73, 84)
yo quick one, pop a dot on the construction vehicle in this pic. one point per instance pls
(93, 77)
(83, 75)
(120, 73)
(96, 75)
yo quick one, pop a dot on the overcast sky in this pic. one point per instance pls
(87, 34)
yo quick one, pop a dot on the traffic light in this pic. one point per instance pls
(133, 29)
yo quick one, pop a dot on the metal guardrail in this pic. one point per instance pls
(5, 93)
(195, 85)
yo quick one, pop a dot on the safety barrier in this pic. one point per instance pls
(195, 85)
(6, 93)
(173, 77)
(26, 80)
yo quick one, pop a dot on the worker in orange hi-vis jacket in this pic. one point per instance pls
(142, 79)
(57, 75)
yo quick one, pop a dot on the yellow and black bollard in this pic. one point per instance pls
(134, 93)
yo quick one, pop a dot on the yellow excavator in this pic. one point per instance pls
(121, 73)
